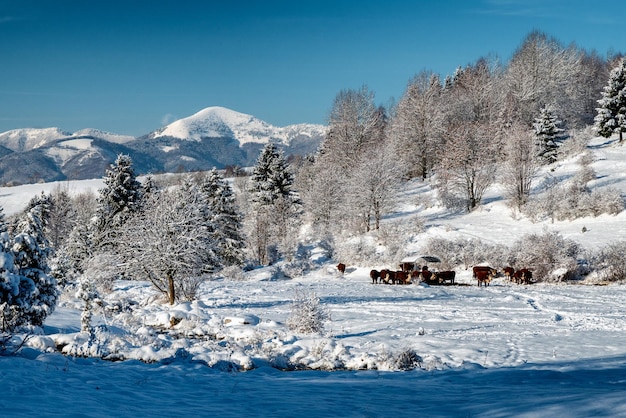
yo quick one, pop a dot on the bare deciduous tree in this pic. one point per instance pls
(521, 165)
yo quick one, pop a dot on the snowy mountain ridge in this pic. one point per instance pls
(220, 122)
(27, 139)
(213, 137)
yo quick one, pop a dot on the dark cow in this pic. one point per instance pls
(523, 276)
(426, 274)
(483, 277)
(407, 266)
(509, 272)
(402, 277)
(375, 275)
(341, 267)
(443, 277)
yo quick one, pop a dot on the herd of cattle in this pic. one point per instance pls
(409, 273)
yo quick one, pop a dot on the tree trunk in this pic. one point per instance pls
(171, 291)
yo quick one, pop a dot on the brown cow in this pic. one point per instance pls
(375, 275)
(443, 277)
(341, 267)
(509, 272)
(523, 276)
(402, 277)
(483, 277)
(426, 274)
(491, 270)
(407, 266)
(391, 277)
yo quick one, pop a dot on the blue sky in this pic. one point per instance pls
(130, 67)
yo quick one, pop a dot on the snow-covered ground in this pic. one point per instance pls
(498, 351)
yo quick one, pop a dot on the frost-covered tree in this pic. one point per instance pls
(276, 204)
(465, 173)
(542, 71)
(222, 213)
(118, 199)
(548, 134)
(169, 243)
(418, 126)
(3, 222)
(520, 166)
(36, 294)
(611, 117)
(354, 124)
(61, 218)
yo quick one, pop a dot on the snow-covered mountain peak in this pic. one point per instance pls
(220, 122)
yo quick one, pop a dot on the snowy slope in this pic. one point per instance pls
(220, 122)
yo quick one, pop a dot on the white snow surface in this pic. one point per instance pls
(221, 122)
(541, 350)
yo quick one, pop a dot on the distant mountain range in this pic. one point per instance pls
(213, 137)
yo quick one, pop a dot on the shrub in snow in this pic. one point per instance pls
(610, 262)
(307, 314)
(546, 253)
(407, 360)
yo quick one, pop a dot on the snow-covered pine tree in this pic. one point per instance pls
(548, 134)
(271, 178)
(276, 205)
(37, 294)
(227, 221)
(3, 223)
(611, 115)
(120, 197)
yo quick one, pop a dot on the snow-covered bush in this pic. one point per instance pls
(465, 252)
(572, 202)
(610, 262)
(546, 253)
(407, 359)
(308, 316)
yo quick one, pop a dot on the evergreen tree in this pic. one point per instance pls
(3, 223)
(37, 291)
(611, 115)
(271, 178)
(227, 221)
(118, 199)
(548, 134)
(276, 205)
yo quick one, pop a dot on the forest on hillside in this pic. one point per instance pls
(484, 124)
